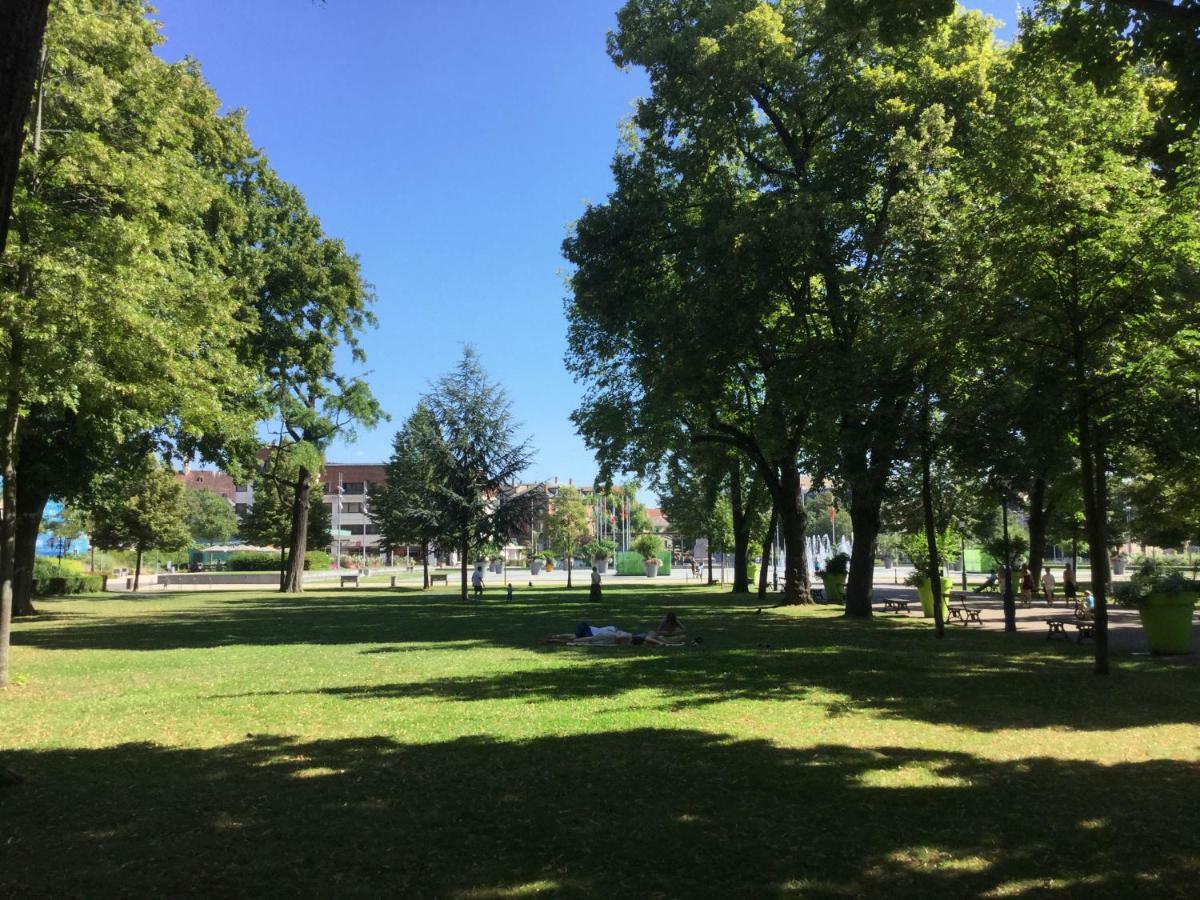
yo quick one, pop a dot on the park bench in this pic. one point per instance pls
(1085, 624)
(350, 579)
(435, 577)
(895, 605)
(961, 612)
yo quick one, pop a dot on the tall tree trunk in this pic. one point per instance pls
(466, 547)
(425, 565)
(1095, 489)
(865, 504)
(569, 560)
(8, 520)
(935, 564)
(767, 546)
(1037, 529)
(738, 503)
(294, 582)
(31, 507)
(137, 569)
(793, 522)
(1010, 602)
(710, 577)
(21, 38)
(282, 566)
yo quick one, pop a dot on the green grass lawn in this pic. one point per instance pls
(374, 742)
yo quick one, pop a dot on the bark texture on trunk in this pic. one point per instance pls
(425, 566)
(935, 563)
(738, 503)
(793, 522)
(466, 546)
(293, 582)
(865, 505)
(31, 508)
(1095, 502)
(137, 568)
(767, 546)
(8, 520)
(22, 32)
(1038, 511)
(1010, 603)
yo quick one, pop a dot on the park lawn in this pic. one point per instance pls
(367, 742)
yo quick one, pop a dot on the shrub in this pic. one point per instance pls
(649, 545)
(630, 563)
(838, 564)
(317, 560)
(1152, 578)
(68, 584)
(253, 561)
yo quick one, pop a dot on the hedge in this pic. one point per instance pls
(630, 563)
(68, 584)
(260, 561)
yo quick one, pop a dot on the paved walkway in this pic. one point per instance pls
(1125, 635)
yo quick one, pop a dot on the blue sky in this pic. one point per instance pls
(450, 144)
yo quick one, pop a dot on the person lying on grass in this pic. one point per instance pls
(586, 635)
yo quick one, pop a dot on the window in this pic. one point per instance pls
(372, 528)
(352, 507)
(240, 508)
(326, 487)
(355, 487)
(354, 529)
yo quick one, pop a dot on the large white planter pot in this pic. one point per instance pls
(601, 565)
(535, 566)
(652, 568)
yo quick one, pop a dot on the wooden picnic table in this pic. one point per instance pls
(350, 579)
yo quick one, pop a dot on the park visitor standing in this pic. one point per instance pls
(594, 594)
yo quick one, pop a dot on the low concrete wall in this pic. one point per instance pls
(195, 578)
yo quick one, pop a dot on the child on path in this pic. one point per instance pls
(477, 582)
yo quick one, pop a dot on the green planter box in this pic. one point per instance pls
(925, 592)
(752, 574)
(1167, 621)
(835, 587)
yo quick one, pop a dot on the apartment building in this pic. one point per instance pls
(345, 489)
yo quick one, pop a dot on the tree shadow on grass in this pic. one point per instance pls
(984, 681)
(643, 813)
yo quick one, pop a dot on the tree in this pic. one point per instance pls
(568, 525)
(408, 507)
(121, 225)
(1096, 253)
(758, 194)
(210, 517)
(311, 300)
(146, 511)
(20, 46)
(481, 463)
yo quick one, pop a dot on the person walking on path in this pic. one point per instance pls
(1026, 585)
(594, 593)
(1069, 587)
(477, 582)
(1048, 586)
